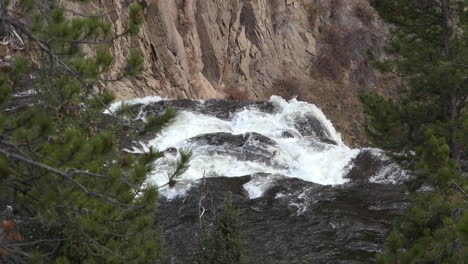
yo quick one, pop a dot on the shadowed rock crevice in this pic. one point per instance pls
(211, 68)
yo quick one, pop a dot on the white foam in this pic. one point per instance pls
(300, 157)
(188, 125)
(25, 93)
(144, 100)
(259, 183)
(390, 174)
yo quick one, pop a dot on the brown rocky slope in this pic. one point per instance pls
(251, 49)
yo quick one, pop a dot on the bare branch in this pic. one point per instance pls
(201, 208)
(461, 65)
(37, 242)
(458, 188)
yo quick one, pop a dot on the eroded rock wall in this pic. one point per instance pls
(251, 49)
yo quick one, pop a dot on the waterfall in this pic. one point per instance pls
(268, 140)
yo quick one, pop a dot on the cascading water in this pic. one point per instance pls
(304, 196)
(291, 139)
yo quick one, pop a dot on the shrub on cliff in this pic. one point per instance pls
(67, 195)
(336, 52)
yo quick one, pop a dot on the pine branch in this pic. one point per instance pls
(69, 178)
(46, 48)
(36, 242)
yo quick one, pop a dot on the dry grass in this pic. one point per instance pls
(335, 53)
(237, 94)
(328, 66)
(286, 88)
(331, 34)
(363, 75)
(299, 87)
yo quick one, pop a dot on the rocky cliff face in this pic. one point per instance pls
(251, 49)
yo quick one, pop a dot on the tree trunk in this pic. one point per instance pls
(2, 15)
(452, 100)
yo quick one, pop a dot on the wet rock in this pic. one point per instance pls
(293, 222)
(219, 108)
(287, 134)
(170, 151)
(374, 166)
(245, 147)
(158, 108)
(329, 141)
(309, 125)
(365, 165)
(224, 109)
(234, 185)
(284, 220)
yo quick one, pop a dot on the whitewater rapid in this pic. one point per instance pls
(304, 157)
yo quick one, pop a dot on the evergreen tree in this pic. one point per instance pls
(428, 48)
(224, 243)
(67, 195)
(426, 126)
(430, 232)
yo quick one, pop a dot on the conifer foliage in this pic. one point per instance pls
(223, 244)
(429, 52)
(67, 195)
(426, 126)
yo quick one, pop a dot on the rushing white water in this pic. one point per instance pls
(144, 100)
(302, 157)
